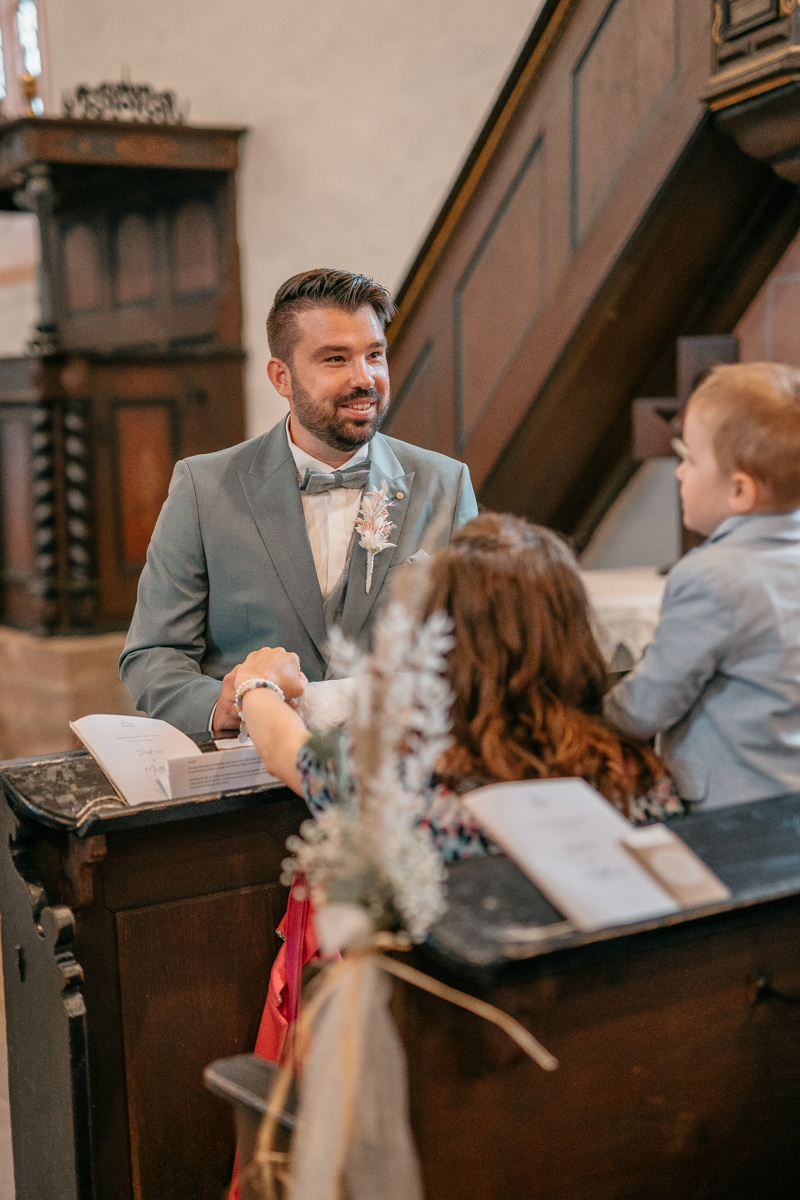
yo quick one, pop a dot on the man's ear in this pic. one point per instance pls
(280, 377)
(746, 493)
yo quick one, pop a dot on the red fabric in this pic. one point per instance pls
(283, 994)
(282, 1004)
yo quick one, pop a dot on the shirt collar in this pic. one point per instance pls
(304, 461)
(769, 523)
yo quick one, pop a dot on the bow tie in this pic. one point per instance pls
(315, 482)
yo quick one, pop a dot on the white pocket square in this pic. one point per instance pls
(418, 557)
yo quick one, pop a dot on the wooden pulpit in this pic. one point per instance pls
(136, 359)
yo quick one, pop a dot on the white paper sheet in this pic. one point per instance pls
(133, 752)
(235, 767)
(568, 839)
(149, 761)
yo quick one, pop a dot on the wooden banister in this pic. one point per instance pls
(599, 216)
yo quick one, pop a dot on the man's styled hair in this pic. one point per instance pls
(755, 411)
(321, 288)
(525, 671)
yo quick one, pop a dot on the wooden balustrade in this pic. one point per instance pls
(600, 216)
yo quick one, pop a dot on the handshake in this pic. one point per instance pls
(275, 666)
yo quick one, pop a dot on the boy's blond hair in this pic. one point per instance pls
(755, 408)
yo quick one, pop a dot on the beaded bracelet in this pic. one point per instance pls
(247, 686)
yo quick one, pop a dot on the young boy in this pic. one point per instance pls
(720, 682)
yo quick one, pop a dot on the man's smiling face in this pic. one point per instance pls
(337, 382)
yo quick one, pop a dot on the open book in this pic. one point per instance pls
(590, 862)
(147, 760)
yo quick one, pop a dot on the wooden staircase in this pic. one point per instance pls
(601, 214)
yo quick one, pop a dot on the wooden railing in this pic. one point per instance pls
(599, 216)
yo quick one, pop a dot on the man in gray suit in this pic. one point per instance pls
(257, 545)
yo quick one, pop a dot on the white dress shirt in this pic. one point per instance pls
(330, 516)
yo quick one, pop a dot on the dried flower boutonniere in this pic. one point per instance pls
(374, 526)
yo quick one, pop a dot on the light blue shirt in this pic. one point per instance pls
(720, 681)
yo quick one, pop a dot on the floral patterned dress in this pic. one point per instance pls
(325, 772)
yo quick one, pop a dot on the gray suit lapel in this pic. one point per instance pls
(272, 494)
(358, 603)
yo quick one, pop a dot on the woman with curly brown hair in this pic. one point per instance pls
(527, 679)
(526, 673)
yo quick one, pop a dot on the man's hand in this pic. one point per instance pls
(226, 718)
(274, 663)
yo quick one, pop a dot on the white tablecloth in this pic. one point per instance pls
(626, 602)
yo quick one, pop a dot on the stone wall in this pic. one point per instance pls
(48, 682)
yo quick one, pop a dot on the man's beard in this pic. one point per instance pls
(335, 431)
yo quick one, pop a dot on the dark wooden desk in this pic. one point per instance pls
(137, 945)
(678, 1040)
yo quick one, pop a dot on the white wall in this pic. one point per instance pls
(643, 526)
(360, 114)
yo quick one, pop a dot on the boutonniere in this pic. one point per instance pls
(374, 526)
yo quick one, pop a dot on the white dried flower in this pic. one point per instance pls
(373, 525)
(375, 854)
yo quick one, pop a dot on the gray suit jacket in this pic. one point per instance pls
(230, 569)
(720, 682)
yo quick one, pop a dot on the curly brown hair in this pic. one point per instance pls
(527, 675)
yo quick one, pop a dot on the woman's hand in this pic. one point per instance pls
(276, 730)
(276, 664)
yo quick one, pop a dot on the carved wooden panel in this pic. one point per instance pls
(174, 929)
(783, 305)
(743, 29)
(527, 152)
(500, 293)
(418, 396)
(83, 267)
(135, 277)
(153, 277)
(16, 486)
(145, 417)
(676, 1079)
(195, 248)
(181, 1142)
(145, 452)
(617, 83)
(87, 449)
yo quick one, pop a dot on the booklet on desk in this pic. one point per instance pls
(590, 862)
(148, 760)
